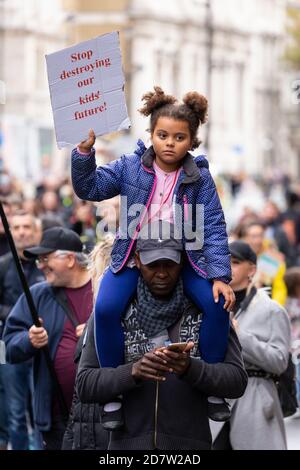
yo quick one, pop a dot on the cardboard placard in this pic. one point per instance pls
(86, 84)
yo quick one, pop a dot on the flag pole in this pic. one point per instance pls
(33, 311)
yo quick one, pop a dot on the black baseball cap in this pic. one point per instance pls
(242, 251)
(56, 238)
(157, 241)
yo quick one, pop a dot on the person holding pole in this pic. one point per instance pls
(64, 303)
(16, 379)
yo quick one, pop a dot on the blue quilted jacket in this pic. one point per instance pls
(133, 176)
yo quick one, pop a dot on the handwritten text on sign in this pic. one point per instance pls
(87, 89)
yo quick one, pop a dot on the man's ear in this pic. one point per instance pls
(137, 260)
(71, 261)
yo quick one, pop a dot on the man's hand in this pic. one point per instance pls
(220, 287)
(79, 329)
(150, 367)
(38, 336)
(177, 361)
(86, 145)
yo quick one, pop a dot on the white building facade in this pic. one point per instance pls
(230, 50)
(28, 31)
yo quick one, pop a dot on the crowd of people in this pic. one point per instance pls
(111, 307)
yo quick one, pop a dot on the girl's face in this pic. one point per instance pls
(171, 139)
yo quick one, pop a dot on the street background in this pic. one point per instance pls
(244, 55)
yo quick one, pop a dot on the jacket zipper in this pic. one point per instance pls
(156, 412)
(141, 221)
(185, 207)
(175, 195)
(185, 211)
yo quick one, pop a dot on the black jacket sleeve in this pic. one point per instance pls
(95, 384)
(223, 379)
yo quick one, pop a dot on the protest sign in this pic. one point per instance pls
(86, 84)
(268, 264)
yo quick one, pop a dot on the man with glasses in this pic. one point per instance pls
(64, 303)
(15, 379)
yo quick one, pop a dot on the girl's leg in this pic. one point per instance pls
(213, 335)
(115, 293)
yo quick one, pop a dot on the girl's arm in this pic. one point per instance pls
(91, 183)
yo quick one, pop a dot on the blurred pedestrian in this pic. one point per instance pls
(64, 303)
(271, 217)
(84, 430)
(270, 262)
(16, 379)
(4, 246)
(292, 280)
(263, 329)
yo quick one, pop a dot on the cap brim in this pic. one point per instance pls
(236, 255)
(151, 256)
(37, 251)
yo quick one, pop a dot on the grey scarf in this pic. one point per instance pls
(155, 315)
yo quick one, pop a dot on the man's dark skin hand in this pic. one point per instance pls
(150, 367)
(155, 364)
(177, 361)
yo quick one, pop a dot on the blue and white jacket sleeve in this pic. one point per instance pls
(215, 247)
(95, 184)
(15, 336)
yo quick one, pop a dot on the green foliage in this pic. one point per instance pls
(292, 51)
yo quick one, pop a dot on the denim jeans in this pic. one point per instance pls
(17, 381)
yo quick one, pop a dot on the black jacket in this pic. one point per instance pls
(84, 430)
(10, 284)
(166, 416)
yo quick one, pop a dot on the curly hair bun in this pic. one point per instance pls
(198, 104)
(154, 100)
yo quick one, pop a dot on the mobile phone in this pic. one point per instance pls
(177, 347)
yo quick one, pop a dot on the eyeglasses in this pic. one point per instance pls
(44, 259)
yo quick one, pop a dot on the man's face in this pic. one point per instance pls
(242, 273)
(57, 268)
(23, 231)
(160, 276)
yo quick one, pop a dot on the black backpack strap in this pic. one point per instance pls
(61, 298)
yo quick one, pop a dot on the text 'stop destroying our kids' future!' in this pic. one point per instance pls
(86, 84)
